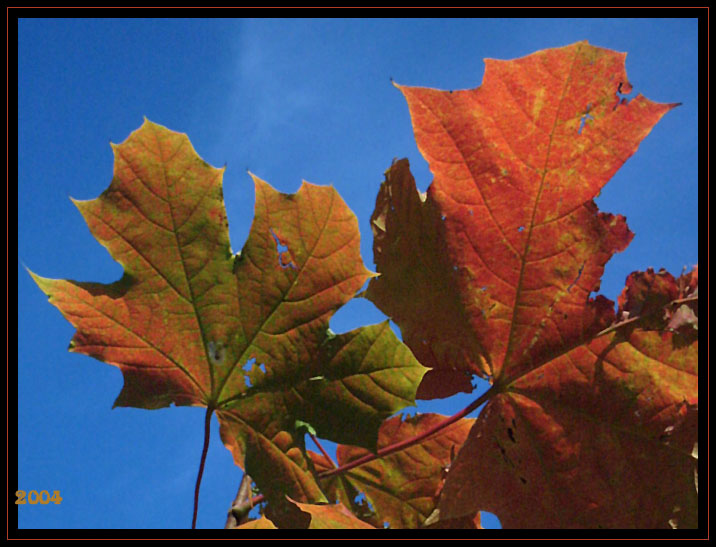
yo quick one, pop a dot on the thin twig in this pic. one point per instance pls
(207, 428)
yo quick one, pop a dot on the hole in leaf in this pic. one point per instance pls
(521, 229)
(247, 368)
(489, 520)
(622, 93)
(579, 274)
(583, 121)
(365, 507)
(442, 217)
(586, 116)
(284, 256)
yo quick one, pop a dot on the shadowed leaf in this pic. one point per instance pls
(587, 441)
(402, 488)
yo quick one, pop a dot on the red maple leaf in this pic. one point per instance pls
(491, 272)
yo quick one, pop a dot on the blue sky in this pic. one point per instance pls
(290, 100)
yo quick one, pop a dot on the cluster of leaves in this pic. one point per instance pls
(591, 420)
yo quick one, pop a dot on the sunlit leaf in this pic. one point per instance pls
(192, 323)
(510, 240)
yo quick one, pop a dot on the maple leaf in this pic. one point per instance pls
(330, 516)
(261, 523)
(402, 488)
(245, 335)
(312, 517)
(510, 240)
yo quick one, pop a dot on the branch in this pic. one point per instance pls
(240, 511)
(243, 497)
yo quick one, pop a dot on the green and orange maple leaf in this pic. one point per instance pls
(245, 335)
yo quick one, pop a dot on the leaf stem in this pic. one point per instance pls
(402, 445)
(618, 325)
(636, 318)
(320, 447)
(207, 429)
(684, 300)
